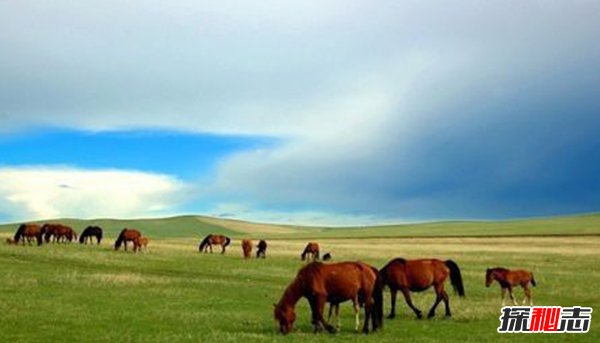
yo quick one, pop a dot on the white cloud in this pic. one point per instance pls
(44, 192)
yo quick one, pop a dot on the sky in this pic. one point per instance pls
(327, 113)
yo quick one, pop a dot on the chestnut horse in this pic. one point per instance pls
(261, 249)
(29, 231)
(128, 235)
(89, 232)
(311, 249)
(510, 278)
(65, 234)
(247, 248)
(140, 242)
(418, 275)
(57, 232)
(211, 240)
(334, 283)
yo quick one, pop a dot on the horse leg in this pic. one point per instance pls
(438, 299)
(527, 295)
(393, 293)
(406, 293)
(368, 310)
(356, 307)
(446, 302)
(511, 296)
(318, 305)
(222, 249)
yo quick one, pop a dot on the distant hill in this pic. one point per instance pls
(198, 226)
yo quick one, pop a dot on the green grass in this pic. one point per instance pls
(172, 293)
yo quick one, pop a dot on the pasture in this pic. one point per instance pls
(172, 293)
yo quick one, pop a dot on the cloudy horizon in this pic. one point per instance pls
(334, 113)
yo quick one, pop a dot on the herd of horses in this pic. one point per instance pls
(323, 283)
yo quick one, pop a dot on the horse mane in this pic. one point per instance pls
(19, 232)
(498, 269)
(204, 242)
(120, 239)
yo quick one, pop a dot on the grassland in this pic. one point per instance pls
(172, 293)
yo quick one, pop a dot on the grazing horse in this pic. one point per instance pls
(140, 242)
(29, 231)
(418, 275)
(247, 248)
(261, 249)
(56, 232)
(89, 232)
(128, 235)
(65, 234)
(334, 283)
(211, 240)
(311, 249)
(510, 278)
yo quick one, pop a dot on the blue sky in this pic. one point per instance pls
(317, 113)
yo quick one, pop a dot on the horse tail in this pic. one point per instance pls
(533, 281)
(378, 300)
(204, 243)
(19, 233)
(99, 236)
(455, 277)
(227, 241)
(120, 239)
(83, 235)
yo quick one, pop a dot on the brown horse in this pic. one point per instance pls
(247, 248)
(128, 235)
(334, 283)
(510, 278)
(65, 234)
(261, 249)
(211, 240)
(56, 232)
(139, 243)
(418, 275)
(311, 249)
(29, 231)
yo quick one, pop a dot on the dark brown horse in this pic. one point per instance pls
(334, 283)
(418, 275)
(247, 248)
(211, 240)
(261, 249)
(29, 232)
(89, 232)
(311, 249)
(509, 279)
(126, 235)
(57, 232)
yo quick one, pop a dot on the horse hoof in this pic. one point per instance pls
(331, 329)
(391, 316)
(431, 315)
(419, 316)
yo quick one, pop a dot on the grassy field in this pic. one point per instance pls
(172, 293)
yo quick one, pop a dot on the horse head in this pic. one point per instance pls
(285, 317)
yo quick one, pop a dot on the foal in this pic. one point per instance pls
(510, 278)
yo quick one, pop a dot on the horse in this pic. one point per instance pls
(311, 249)
(211, 240)
(29, 231)
(261, 249)
(128, 235)
(56, 231)
(89, 232)
(65, 234)
(418, 275)
(510, 278)
(334, 283)
(140, 242)
(327, 257)
(247, 248)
